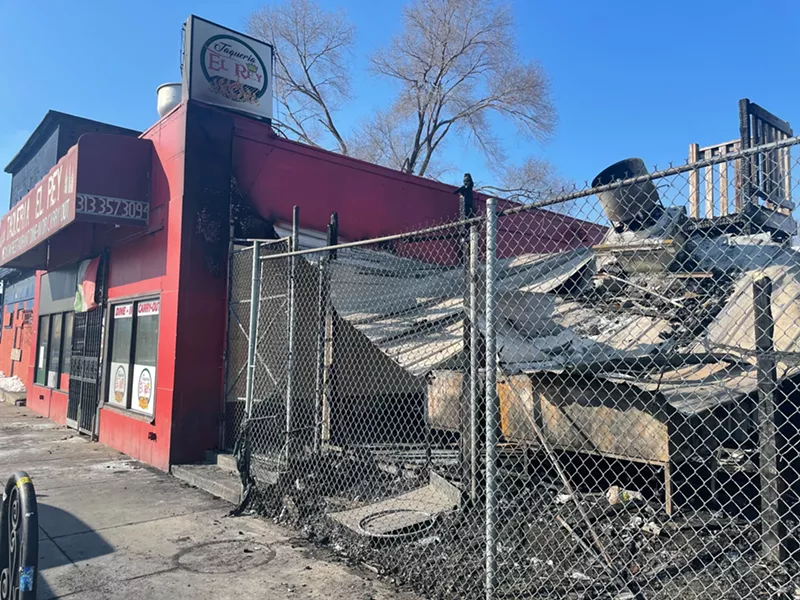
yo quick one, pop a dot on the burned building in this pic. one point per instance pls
(640, 348)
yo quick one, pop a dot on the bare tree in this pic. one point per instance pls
(311, 77)
(531, 181)
(456, 67)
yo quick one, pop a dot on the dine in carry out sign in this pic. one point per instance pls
(144, 376)
(226, 68)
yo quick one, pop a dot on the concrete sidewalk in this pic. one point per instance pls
(111, 528)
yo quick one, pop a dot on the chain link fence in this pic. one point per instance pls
(531, 404)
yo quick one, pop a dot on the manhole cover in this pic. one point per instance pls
(396, 522)
(224, 556)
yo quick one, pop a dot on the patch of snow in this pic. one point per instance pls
(117, 465)
(11, 384)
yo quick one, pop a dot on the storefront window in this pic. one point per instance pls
(145, 350)
(54, 350)
(133, 353)
(54, 362)
(121, 337)
(42, 350)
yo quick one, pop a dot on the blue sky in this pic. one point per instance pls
(629, 78)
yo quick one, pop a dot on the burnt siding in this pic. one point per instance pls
(64, 136)
(24, 180)
(69, 132)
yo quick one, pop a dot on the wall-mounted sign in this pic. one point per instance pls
(136, 211)
(148, 308)
(102, 179)
(122, 311)
(226, 68)
(144, 387)
(47, 208)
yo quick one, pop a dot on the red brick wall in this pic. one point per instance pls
(16, 334)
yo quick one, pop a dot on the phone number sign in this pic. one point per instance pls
(137, 212)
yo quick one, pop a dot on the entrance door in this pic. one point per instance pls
(84, 377)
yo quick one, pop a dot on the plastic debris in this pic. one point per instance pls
(652, 528)
(618, 495)
(26, 578)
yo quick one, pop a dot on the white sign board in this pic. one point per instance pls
(148, 308)
(226, 68)
(144, 376)
(144, 389)
(118, 385)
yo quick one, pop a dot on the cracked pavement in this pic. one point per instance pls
(113, 528)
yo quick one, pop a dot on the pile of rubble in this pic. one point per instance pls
(618, 544)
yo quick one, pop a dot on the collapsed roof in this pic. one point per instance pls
(562, 312)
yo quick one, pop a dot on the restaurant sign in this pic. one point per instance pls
(44, 210)
(226, 68)
(83, 186)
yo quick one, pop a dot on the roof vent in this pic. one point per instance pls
(169, 96)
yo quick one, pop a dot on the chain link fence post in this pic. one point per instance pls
(491, 408)
(323, 314)
(252, 338)
(474, 361)
(294, 245)
(772, 527)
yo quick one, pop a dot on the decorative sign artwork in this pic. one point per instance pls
(144, 388)
(118, 375)
(226, 68)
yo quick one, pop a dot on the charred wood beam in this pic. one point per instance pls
(772, 527)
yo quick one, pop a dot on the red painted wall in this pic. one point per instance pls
(202, 303)
(275, 174)
(151, 265)
(16, 334)
(147, 264)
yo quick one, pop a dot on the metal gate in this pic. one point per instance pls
(239, 277)
(84, 377)
(268, 282)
